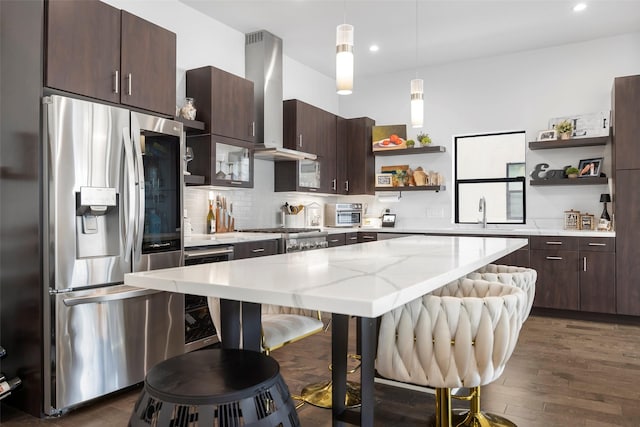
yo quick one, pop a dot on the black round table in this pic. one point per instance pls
(217, 387)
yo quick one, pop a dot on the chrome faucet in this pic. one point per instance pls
(482, 208)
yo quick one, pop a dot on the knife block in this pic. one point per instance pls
(224, 222)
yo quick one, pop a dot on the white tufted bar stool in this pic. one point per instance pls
(520, 277)
(460, 335)
(280, 325)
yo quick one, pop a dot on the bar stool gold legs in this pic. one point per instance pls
(320, 394)
(477, 418)
(443, 407)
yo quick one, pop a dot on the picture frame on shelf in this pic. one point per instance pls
(604, 225)
(590, 167)
(384, 180)
(548, 135)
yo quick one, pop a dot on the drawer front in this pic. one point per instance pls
(560, 243)
(365, 236)
(337, 239)
(351, 238)
(598, 244)
(255, 249)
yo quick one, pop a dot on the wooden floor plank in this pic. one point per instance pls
(564, 372)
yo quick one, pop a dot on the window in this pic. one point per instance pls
(490, 166)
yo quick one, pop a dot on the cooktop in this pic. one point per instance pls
(282, 230)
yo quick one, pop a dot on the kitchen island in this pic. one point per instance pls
(365, 280)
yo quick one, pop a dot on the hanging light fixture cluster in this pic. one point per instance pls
(417, 89)
(344, 57)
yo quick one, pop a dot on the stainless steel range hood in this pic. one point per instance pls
(263, 65)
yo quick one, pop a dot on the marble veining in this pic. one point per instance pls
(367, 280)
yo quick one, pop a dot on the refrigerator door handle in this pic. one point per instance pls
(131, 192)
(140, 211)
(126, 294)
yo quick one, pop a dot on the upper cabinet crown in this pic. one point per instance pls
(96, 50)
(224, 102)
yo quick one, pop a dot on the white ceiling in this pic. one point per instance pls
(447, 30)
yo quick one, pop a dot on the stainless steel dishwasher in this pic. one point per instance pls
(198, 327)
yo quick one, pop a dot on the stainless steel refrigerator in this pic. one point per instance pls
(113, 205)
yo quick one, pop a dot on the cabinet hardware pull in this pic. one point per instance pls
(554, 243)
(334, 184)
(353, 238)
(597, 244)
(368, 237)
(554, 257)
(334, 240)
(346, 186)
(116, 82)
(255, 251)
(313, 189)
(253, 128)
(236, 182)
(129, 78)
(300, 140)
(584, 263)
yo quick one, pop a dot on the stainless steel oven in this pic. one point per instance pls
(296, 239)
(343, 214)
(198, 326)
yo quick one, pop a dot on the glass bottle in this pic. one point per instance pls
(188, 110)
(211, 219)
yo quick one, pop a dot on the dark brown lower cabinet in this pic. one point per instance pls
(519, 258)
(336, 239)
(367, 236)
(351, 238)
(598, 282)
(255, 249)
(557, 283)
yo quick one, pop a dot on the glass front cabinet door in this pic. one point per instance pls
(222, 161)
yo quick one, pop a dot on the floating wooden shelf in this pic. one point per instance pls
(415, 150)
(596, 180)
(413, 188)
(568, 143)
(191, 126)
(194, 179)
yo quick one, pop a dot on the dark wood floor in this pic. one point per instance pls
(563, 373)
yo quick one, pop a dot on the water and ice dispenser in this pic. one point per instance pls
(97, 222)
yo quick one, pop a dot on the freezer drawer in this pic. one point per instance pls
(106, 339)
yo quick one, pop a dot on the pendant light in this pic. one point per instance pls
(417, 89)
(344, 57)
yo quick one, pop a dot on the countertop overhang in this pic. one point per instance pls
(366, 280)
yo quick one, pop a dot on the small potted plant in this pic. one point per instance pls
(571, 172)
(564, 129)
(424, 138)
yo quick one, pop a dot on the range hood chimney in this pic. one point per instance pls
(263, 65)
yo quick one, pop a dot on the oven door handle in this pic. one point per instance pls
(207, 252)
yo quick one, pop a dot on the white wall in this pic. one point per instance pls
(510, 92)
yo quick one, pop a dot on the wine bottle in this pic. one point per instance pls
(3, 352)
(211, 219)
(6, 387)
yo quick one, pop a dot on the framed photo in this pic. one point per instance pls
(590, 167)
(384, 180)
(571, 220)
(604, 225)
(389, 137)
(587, 222)
(548, 135)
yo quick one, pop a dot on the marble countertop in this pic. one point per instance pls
(366, 280)
(239, 237)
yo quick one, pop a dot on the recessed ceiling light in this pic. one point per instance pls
(374, 48)
(579, 7)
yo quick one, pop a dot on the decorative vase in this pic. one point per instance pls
(572, 175)
(565, 135)
(188, 110)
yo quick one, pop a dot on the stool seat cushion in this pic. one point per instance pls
(280, 329)
(461, 335)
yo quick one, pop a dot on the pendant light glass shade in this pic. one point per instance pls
(417, 103)
(344, 59)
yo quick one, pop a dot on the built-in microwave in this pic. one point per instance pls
(343, 214)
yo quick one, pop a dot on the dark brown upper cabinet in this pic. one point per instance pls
(305, 127)
(626, 126)
(361, 164)
(96, 50)
(224, 102)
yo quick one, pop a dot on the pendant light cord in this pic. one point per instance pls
(416, 59)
